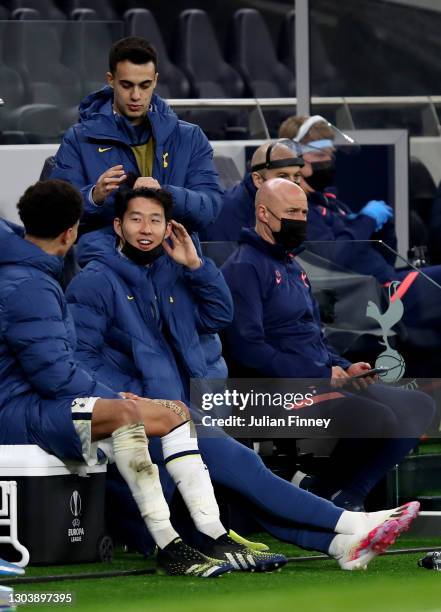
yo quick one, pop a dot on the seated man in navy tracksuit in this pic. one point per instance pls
(47, 398)
(144, 310)
(276, 332)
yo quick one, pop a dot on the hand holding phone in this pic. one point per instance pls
(371, 372)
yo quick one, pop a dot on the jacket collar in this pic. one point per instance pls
(20, 252)
(249, 186)
(275, 251)
(97, 119)
(102, 246)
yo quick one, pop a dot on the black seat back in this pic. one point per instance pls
(47, 9)
(201, 58)
(255, 57)
(172, 82)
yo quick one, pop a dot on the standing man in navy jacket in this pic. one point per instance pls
(127, 133)
(277, 332)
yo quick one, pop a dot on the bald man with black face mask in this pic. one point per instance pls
(277, 333)
(279, 159)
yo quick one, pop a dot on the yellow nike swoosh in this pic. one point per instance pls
(130, 297)
(101, 150)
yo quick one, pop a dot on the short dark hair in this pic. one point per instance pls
(49, 208)
(135, 49)
(161, 196)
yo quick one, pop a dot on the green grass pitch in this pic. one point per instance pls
(391, 583)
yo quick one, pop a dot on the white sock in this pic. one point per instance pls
(350, 522)
(359, 522)
(184, 464)
(133, 460)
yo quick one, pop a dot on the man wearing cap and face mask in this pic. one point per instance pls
(329, 218)
(270, 160)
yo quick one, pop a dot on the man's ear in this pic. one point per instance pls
(109, 79)
(168, 230)
(257, 179)
(261, 213)
(66, 236)
(117, 227)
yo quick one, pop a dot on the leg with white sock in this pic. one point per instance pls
(141, 475)
(242, 470)
(126, 421)
(184, 464)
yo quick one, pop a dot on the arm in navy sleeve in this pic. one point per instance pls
(212, 297)
(90, 302)
(36, 333)
(198, 202)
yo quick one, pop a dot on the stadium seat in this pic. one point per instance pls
(103, 9)
(13, 137)
(19, 118)
(49, 164)
(46, 8)
(84, 14)
(172, 81)
(36, 53)
(323, 72)
(25, 14)
(201, 58)
(229, 175)
(254, 56)
(13, 94)
(86, 51)
(198, 54)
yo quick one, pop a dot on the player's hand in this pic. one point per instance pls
(129, 395)
(359, 368)
(182, 250)
(108, 182)
(146, 181)
(338, 376)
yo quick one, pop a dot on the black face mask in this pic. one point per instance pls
(323, 175)
(291, 234)
(142, 258)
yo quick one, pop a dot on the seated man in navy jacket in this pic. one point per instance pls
(145, 307)
(277, 333)
(47, 398)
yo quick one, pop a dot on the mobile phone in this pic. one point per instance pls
(371, 372)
